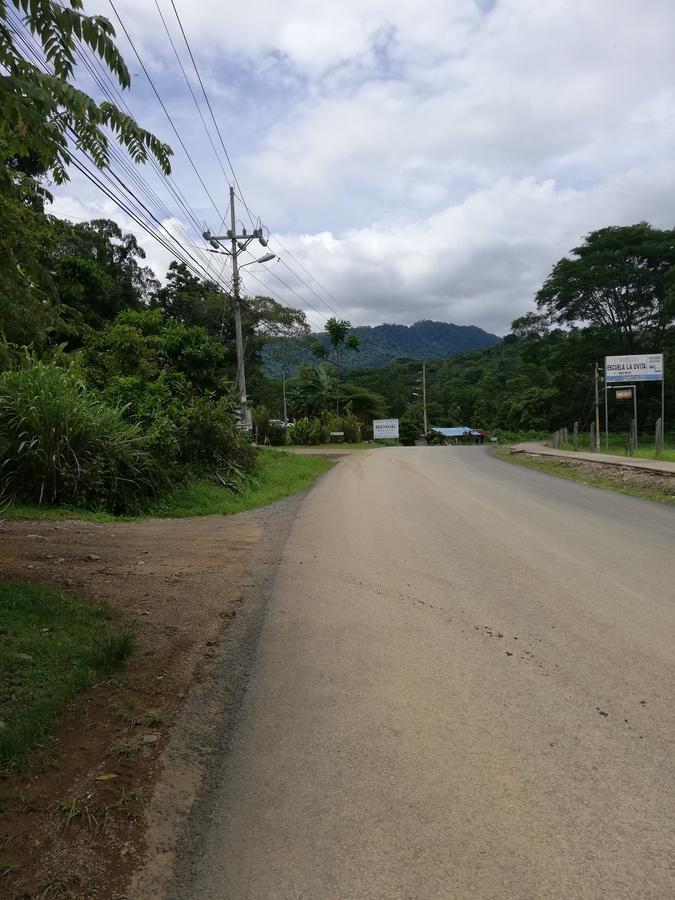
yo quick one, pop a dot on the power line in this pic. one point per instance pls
(273, 237)
(210, 108)
(192, 93)
(133, 174)
(174, 246)
(166, 112)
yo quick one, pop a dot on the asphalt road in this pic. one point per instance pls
(463, 688)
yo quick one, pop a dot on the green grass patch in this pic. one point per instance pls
(277, 474)
(610, 481)
(52, 646)
(359, 445)
(618, 446)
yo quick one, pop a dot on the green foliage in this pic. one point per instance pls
(52, 647)
(348, 424)
(41, 115)
(621, 279)
(382, 345)
(61, 444)
(277, 474)
(192, 301)
(307, 431)
(318, 431)
(312, 392)
(172, 380)
(96, 273)
(40, 107)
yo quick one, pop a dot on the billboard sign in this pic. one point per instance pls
(642, 367)
(385, 428)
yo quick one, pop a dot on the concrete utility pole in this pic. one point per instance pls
(424, 398)
(597, 411)
(283, 388)
(238, 244)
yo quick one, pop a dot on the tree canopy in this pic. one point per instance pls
(622, 278)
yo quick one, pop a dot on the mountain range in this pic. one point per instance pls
(381, 345)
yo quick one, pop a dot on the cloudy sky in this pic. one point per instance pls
(421, 158)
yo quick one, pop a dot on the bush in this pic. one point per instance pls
(301, 432)
(171, 380)
(60, 444)
(276, 432)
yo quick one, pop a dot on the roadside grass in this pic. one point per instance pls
(558, 468)
(52, 646)
(618, 444)
(277, 474)
(358, 445)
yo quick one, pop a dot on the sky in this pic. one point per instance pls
(421, 159)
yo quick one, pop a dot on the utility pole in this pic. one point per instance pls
(283, 388)
(597, 410)
(424, 399)
(238, 244)
(241, 371)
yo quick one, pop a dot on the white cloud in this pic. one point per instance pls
(425, 159)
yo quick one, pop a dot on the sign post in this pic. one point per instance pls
(638, 367)
(385, 429)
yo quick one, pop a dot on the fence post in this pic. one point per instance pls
(658, 443)
(632, 440)
(565, 435)
(592, 437)
(575, 436)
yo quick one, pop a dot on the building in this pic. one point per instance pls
(462, 435)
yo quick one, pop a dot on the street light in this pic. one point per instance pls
(268, 257)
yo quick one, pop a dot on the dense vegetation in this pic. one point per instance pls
(113, 386)
(381, 345)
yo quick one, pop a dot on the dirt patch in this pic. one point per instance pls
(74, 823)
(621, 476)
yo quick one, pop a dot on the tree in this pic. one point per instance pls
(340, 339)
(40, 109)
(620, 279)
(41, 115)
(191, 300)
(96, 271)
(312, 390)
(364, 403)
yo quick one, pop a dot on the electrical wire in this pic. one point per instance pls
(166, 112)
(208, 103)
(168, 240)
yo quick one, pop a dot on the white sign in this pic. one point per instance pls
(644, 367)
(385, 428)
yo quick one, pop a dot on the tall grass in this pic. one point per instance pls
(60, 444)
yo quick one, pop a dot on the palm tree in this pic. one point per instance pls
(312, 390)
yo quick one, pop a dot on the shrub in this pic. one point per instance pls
(301, 432)
(171, 380)
(276, 432)
(60, 444)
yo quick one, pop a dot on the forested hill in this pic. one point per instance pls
(380, 345)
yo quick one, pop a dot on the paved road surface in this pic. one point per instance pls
(464, 688)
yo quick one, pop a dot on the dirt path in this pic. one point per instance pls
(179, 582)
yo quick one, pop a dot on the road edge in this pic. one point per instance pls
(208, 717)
